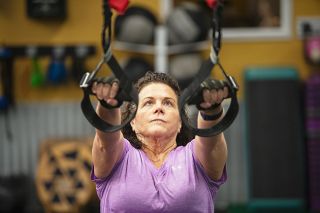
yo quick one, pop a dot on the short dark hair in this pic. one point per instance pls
(183, 137)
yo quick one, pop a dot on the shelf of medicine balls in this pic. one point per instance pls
(176, 42)
(171, 49)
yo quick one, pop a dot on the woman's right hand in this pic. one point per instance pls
(106, 89)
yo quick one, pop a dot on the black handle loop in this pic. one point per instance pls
(197, 98)
(187, 96)
(127, 91)
(109, 80)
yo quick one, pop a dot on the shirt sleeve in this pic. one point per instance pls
(213, 185)
(102, 182)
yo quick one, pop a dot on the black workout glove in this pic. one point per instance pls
(209, 84)
(108, 80)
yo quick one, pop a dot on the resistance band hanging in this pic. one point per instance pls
(191, 95)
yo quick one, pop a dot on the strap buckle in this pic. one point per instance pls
(233, 83)
(85, 80)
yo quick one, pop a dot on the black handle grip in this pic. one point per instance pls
(120, 97)
(193, 94)
(126, 93)
(197, 98)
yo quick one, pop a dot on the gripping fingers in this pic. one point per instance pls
(211, 98)
(226, 92)
(102, 91)
(207, 99)
(114, 88)
(96, 89)
(219, 97)
(106, 89)
(214, 92)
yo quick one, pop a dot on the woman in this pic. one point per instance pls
(148, 167)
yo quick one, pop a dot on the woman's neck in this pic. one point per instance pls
(158, 150)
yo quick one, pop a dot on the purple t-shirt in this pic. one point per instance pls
(136, 185)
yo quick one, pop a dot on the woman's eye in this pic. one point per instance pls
(147, 103)
(168, 103)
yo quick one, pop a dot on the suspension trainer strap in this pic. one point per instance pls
(127, 92)
(194, 90)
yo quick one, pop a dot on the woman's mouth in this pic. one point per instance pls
(158, 120)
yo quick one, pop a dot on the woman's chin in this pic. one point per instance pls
(157, 132)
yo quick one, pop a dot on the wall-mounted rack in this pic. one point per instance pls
(81, 50)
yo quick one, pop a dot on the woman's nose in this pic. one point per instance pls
(158, 108)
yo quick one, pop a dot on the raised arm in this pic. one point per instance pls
(212, 152)
(107, 147)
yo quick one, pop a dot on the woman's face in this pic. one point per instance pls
(157, 115)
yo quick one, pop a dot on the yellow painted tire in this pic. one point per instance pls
(63, 175)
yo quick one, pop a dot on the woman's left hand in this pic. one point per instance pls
(214, 94)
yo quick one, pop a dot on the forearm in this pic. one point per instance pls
(214, 146)
(107, 147)
(211, 151)
(113, 117)
(204, 124)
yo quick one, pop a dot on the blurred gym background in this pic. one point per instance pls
(271, 47)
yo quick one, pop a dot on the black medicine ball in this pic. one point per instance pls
(136, 68)
(185, 67)
(188, 23)
(137, 25)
